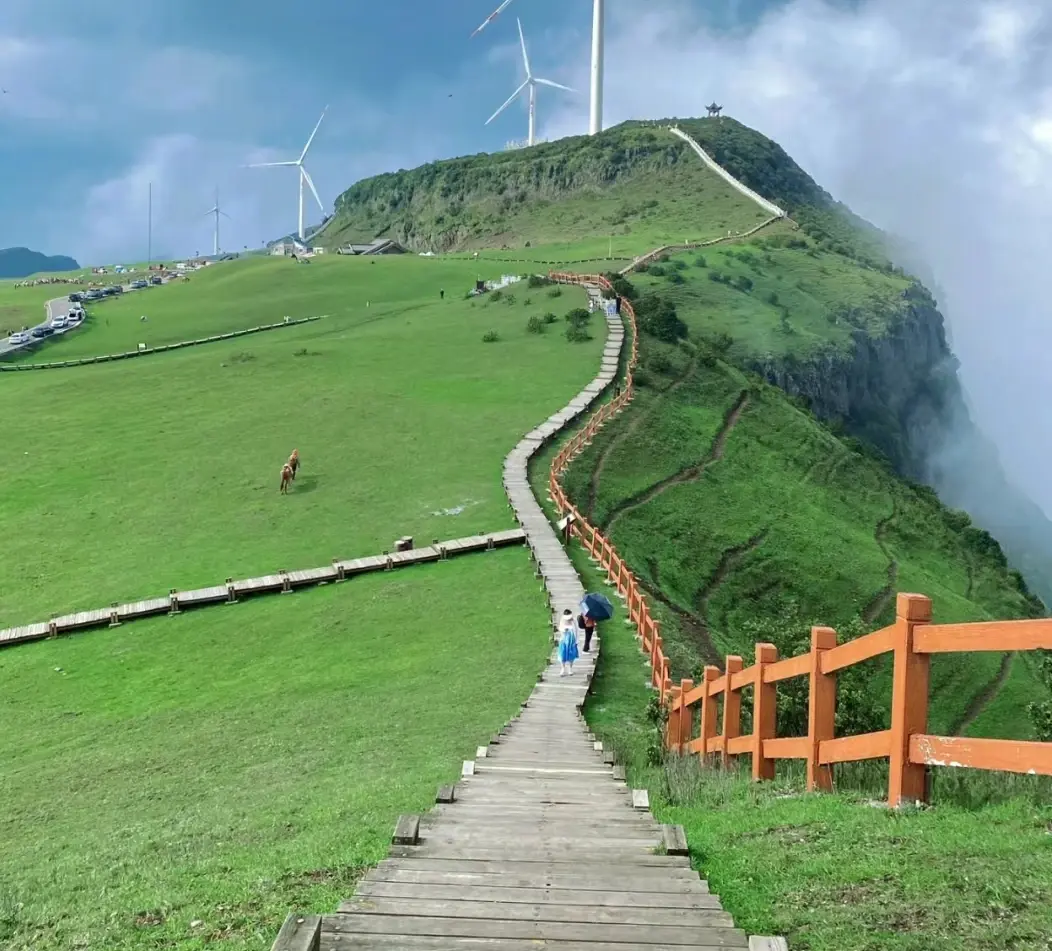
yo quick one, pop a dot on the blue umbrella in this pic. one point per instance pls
(597, 607)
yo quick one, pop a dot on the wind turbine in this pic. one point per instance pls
(304, 174)
(215, 210)
(532, 82)
(595, 120)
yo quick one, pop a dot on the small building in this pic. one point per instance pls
(377, 246)
(287, 247)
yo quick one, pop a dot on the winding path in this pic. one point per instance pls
(541, 844)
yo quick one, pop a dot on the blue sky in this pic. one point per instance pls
(185, 93)
(933, 119)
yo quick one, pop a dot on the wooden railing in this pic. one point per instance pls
(705, 719)
(648, 630)
(908, 746)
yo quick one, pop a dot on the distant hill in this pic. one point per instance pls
(21, 262)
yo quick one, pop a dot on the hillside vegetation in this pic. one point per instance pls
(635, 184)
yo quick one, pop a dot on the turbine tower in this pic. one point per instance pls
(532, 82)
(215, 210)
(304, 174)
(595, 119)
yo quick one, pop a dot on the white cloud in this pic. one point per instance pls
(933, 120)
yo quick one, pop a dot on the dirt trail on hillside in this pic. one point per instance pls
(729, 560)
(695, 627)
(879, 602)
(627, 433)
(980, 701)
(689, 474)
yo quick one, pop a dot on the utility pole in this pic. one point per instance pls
(149, 228)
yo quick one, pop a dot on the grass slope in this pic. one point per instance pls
(784, 520)
(123, 480)
(226, 765)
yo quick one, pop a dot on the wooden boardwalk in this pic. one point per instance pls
(541, 844)
(282, 581)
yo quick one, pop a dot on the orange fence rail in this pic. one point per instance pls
(705, 719)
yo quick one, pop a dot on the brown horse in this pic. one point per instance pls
(294, 462)
(287, 476)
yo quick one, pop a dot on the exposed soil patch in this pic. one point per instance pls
(689, 474)
(879, 602)
(630, 430)
(981, 699)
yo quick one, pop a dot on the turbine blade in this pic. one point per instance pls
(548, 82)
(522, 42)
(225, 215)
(303, 154)
(314, 191)
(268, 164)
(508, 102)
(491, 17)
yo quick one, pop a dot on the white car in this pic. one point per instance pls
(58, 321)
(75, 315)
(18, 338)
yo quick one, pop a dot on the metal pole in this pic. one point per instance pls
(149, 229)
(595, 123)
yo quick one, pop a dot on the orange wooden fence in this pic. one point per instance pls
(705, 719)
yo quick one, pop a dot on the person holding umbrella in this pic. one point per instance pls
(567, 643)
(594, 607)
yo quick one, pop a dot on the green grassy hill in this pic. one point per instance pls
(634, 184)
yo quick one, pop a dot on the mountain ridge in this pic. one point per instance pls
(22, 262)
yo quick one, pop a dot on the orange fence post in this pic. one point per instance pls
(686, 716)
(821, 710)
(655, 639)
(672, 730)
(732, 709)
(708, 709)
(764, 713)
(909, 700)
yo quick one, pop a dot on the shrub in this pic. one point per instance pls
(496, 295)
(717, 277)
(550, 318)
(657, 317)
(535, 325)
(510, 299)
(555, 292)
(527, 301)
(679, 264)
(700, 261)
(659, 362)
(675, 277)
(643, 377)
(743, 283)
(578, 317)
(657, 270)
(772, 299)
(537, 280)
(490, 336)
(721, 343)
(577, 333)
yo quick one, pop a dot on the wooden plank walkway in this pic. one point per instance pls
(541, 844)
(283, 581)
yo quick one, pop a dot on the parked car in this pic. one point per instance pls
(139, 284)
(58, 321)
(74, 317)
(75, 297)
(93, 295)
(18, 338)
(156, 279)
(39, 332)
(118, 288)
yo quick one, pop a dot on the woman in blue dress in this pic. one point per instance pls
(567, 643)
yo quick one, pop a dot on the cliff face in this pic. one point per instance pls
(895, 391)
(900, 393)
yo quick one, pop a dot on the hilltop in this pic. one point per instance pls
(21, 262)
